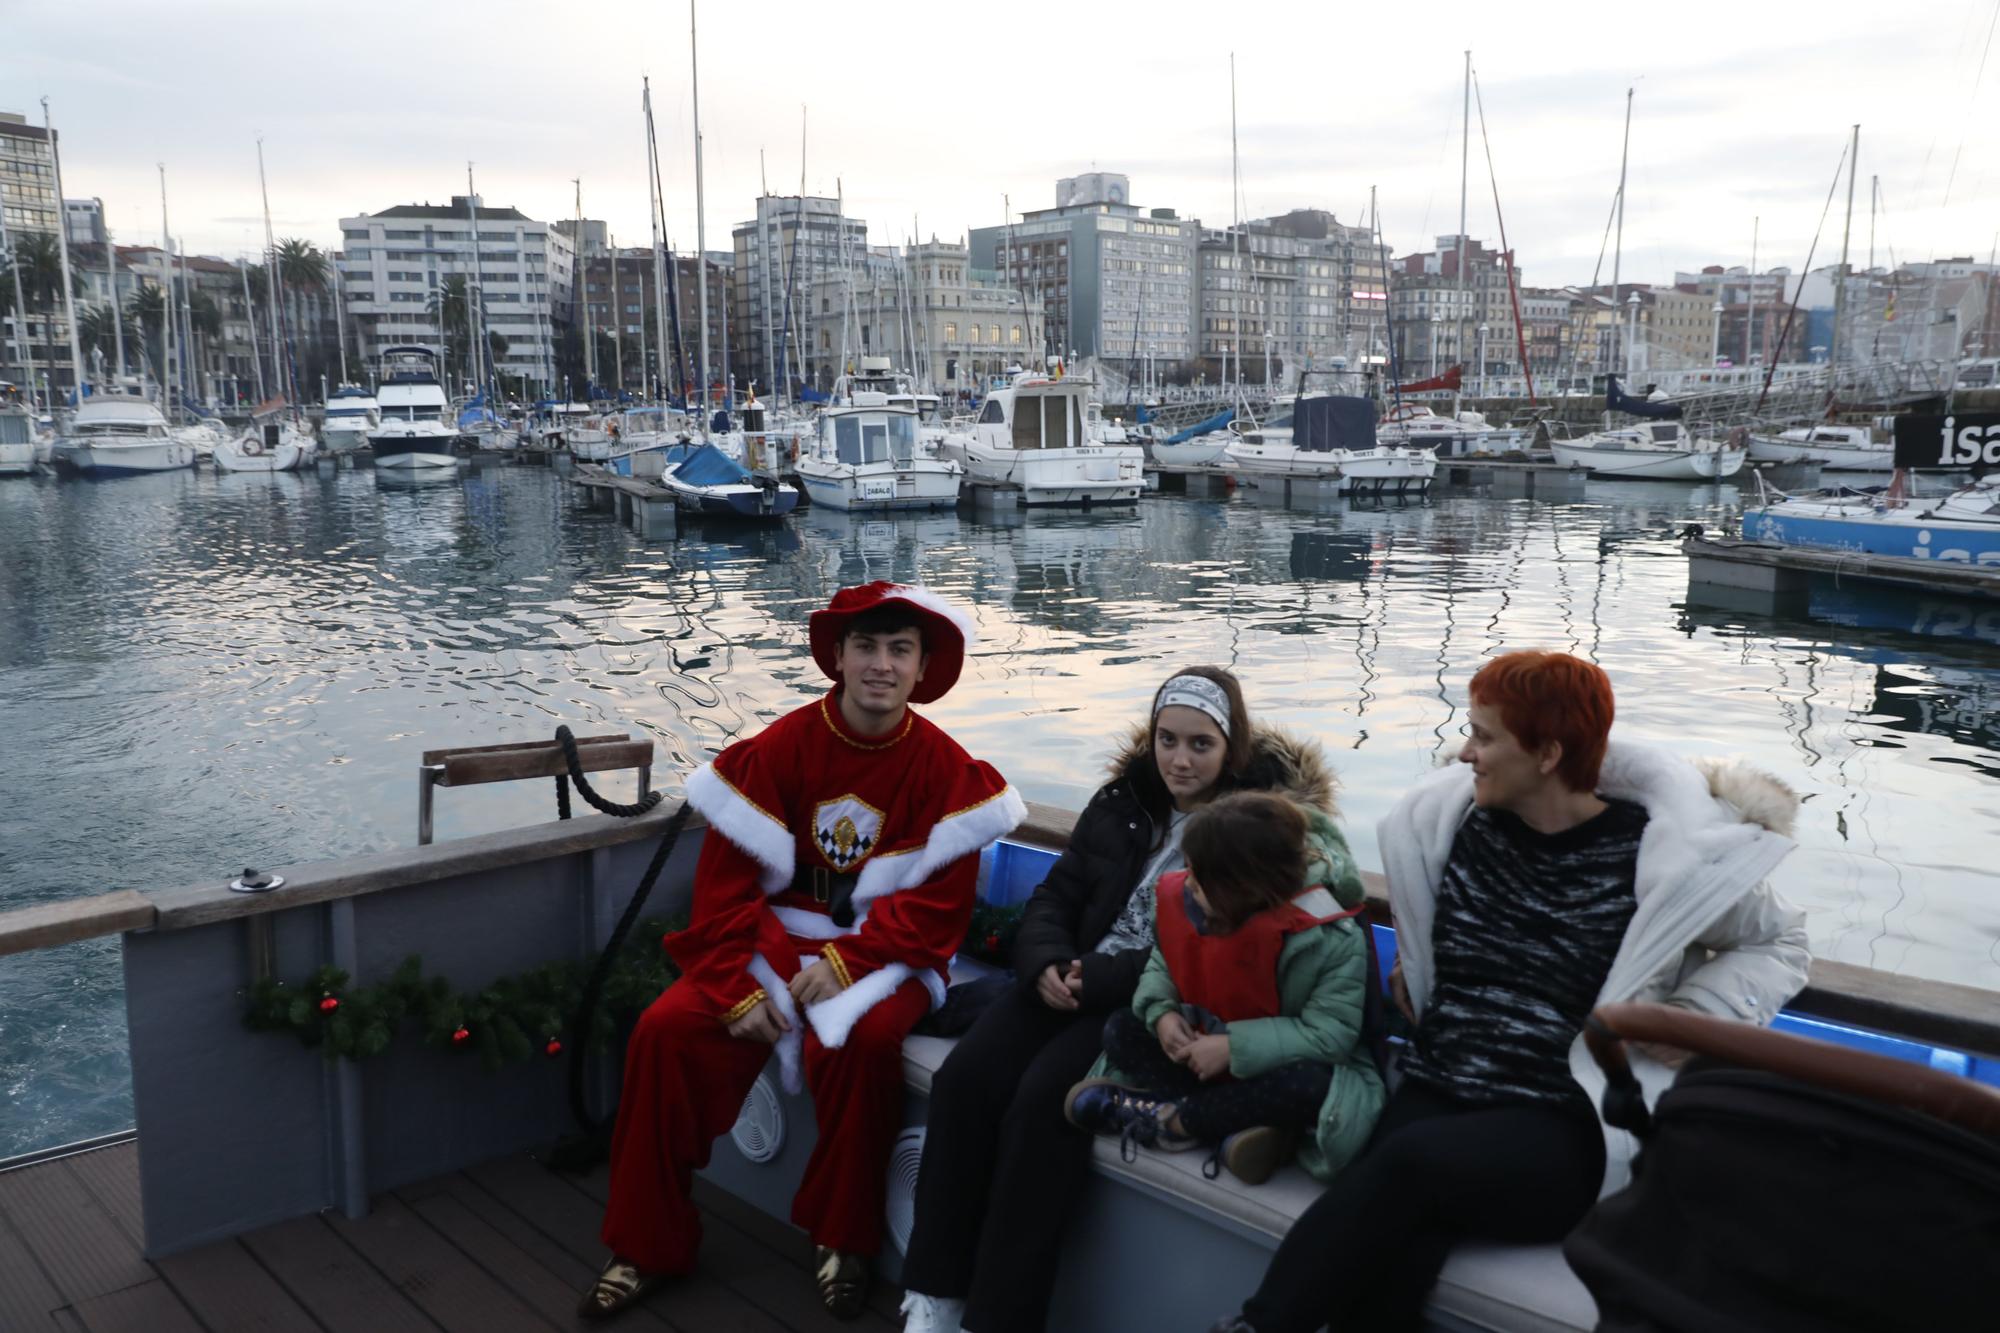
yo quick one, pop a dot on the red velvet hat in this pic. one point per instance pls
(947, 631)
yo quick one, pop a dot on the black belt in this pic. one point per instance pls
(830, 887)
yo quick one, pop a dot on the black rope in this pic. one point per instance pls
(591, 1146)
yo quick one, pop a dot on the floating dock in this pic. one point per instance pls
(646, 508)
(1767, 568)
(1189, 479)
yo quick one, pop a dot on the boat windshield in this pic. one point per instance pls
(1054, 421)
(413, 412)
(874, 439)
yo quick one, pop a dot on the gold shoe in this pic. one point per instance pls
(843, 1281)
(619, 1286)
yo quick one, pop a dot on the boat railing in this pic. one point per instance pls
(245, 1129)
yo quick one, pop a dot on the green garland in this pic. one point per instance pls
(515, 1018)
(511, 1020)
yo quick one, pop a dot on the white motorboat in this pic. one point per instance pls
(1210, 450)
(414, 432)
(1330, 437)
(351, 413)
(201, 436)
(1655, 451)
(1032, 435)
(17, 435)
(1839, 448)
(272, 447)
(1416, 426)
(113, 435)
(866, 457)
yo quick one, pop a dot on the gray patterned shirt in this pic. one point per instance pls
(1134, 927)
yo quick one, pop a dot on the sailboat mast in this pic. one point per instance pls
(662, 276)
(1236, 230)
(1464, 157)
(1618, 246)
(617, 321)
(250, 313)
(62, 253)
(339, 324)
(272, 289)
(168, 328)
(21, 345)
(1840, 277)
(482, 354)
(583, 297)
(700, 222)
(1750, 318)
(117, 316)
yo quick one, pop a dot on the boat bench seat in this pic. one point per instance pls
(1483, 1286)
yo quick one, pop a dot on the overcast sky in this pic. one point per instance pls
(928, 114)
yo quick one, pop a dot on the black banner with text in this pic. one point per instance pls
(1960, 440)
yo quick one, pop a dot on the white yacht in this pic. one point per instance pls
(1838, 448)
(272, 446)
(17, 434)
(866, 455)
(1330, 437)
(1416, 426)
(1653, 451)
(1032, 435)
(351, 414)
(114, 435)
(414, 432)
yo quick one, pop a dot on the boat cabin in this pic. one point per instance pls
(1036, 414)
(868, 428)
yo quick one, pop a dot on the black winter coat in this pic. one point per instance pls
(1114, 836)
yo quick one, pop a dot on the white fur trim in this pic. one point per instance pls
(1317, 902)
(792, 1044)
(805, 925)
(832, 1019)
(760, 837)
(919, 595)
(959, 835)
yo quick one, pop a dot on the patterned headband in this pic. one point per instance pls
(1199, 693)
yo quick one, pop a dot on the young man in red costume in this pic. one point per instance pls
(834, 886)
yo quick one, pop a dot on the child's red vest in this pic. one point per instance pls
(1234, 976)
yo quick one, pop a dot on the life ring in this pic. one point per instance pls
(251, 447)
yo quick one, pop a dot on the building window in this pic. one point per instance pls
(1014, 335)
(994, 333)
(951, 333)
(972, 333)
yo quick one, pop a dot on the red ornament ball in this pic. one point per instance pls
(461, 1036)
(329, 1004)
(992, 944)
(554, 1047)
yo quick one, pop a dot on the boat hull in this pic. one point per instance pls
(285, 458)
(414, 451)
(1057, 478)
(344, 439)
(1192, 453)
(756, 504)
(1832, 457)
(125, 460)
(1651, 464)
(1819, 525)
(16, 460)
(842, 488)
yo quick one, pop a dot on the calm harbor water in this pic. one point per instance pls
(201, 672)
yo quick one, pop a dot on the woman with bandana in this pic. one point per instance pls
(1002, 1167)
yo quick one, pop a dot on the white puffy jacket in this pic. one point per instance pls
(1708, 934)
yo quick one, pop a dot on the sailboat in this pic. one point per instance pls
(17, 434)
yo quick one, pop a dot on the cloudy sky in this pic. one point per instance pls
(928, 114)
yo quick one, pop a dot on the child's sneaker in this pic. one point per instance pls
(1106, 1106)
(931, 1314)
(1253, 1155)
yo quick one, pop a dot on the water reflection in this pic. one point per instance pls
(208, 672)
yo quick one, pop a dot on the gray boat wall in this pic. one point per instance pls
(238, 1129)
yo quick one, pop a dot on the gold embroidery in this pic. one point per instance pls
(745, 799)
(838, 964)
(974, 806)
(744, 1006)
(909, 720)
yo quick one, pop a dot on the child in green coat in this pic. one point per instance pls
(1245, 1032)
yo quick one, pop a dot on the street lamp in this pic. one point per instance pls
(1267, 363)
(1632, 334)
(1715, 343)
(1437, 322)
(1482, 360)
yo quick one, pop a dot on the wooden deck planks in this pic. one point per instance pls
(74, 1238)
(150, 1307)
(508, 1246)
(323, 1274)
(26, 1294)
(432, 1273)
(571, 1218)
(229, 1290)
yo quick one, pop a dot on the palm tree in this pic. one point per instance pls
(147, 308)
(303, 273)
(96, 332)
(449, 306)
(40, 262)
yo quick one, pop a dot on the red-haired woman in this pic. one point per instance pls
(1547, 873)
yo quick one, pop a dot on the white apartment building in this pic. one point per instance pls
(393, 263)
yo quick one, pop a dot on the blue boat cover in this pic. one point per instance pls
(808, 394)
(1214, 423)
(1617, 400)
(709, 466)
(1337, 421)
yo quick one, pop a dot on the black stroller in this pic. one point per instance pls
(1786, 1185)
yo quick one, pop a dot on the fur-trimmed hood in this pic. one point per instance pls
(1281, 761)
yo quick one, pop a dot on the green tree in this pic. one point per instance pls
(147, 310)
